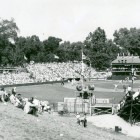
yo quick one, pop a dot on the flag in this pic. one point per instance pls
(25, 57)
(83, 56)
(56, 57)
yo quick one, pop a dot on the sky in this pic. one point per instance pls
(70, 20)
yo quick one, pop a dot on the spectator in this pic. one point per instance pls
(30, 108)
(85, 121)
(13, 97)
(19, 101)
(124, 88)
(136, 94)
(3, 95)
(129, 89)
(78, 118)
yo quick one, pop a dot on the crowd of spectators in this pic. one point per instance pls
(28, 105)
(15, 78)
(43, 72)
(57, 71)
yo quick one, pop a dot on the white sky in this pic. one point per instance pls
(70, 20)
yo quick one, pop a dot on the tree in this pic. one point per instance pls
(128, 40)
(29, 47)
(70, 51)
(96, 40)
(9, 29)
(95, 47)
(8, 36)
(111, 50)
(51, 44)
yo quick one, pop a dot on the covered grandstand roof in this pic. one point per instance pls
(127, 59)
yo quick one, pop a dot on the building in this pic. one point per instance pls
(125, 66)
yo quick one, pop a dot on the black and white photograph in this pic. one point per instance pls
(69, 69)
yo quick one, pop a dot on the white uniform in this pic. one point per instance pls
(135, 94)
(27, 107)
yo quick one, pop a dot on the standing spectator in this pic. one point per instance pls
(85, 121)
(78, 118)
(124, 88)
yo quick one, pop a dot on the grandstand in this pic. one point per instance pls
(125, 66)
(44, 72)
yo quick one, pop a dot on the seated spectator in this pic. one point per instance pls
(13, 97)
(38, 105)
(14, 90)
(19, 101)
(4, 96)
(30, 108)
(48, 108)
(45, 106)
(135, 95)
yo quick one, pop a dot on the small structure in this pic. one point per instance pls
(74, 105)
(125, 66)
(94, 106)
(101, 106)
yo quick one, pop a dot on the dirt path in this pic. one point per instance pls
(16, 125)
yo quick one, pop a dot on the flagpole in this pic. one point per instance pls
(82, 68)
(82, 78)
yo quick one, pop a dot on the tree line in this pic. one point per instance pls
(100, 51)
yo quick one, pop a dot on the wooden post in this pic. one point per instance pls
(130, 117)
(90, 106)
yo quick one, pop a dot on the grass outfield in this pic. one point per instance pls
(56, 93)
(52, 93)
